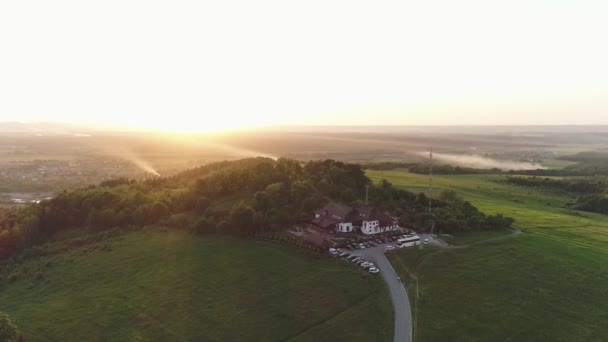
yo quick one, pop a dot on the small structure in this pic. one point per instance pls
(317, 240)
(345, 219)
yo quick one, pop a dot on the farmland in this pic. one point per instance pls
(171, 286)
(549, 283)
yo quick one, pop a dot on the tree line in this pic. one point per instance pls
(242, 197)
(591, 194)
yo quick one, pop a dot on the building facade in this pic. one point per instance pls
(344, 219)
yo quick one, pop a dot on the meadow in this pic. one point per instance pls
(173, 286)
(549, 283)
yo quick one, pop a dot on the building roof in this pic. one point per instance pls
(324, 221)
(316, 239)
(333, 213)
(367, 213)
(336, 211)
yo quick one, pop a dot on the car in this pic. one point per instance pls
(355, 245)
(390, 248)
(356, 260)
(343, 255)
(350, 248)
(362, 246)
(379, 241)
(370, 264)
(361, 262)
(333, 251)
(373, 270)
(372, 243)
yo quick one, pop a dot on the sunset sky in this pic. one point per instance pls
(213, 65)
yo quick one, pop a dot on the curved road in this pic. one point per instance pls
(401, 303)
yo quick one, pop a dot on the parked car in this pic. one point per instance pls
(343, 255)
(356, 246)
(372, 243)
(333, 251)
(390, 248)
(373, 270)
(351, 257)
(350, 248)
(379, 241)
(355, 260)
(362, 246)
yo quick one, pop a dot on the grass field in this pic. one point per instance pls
(550, 283)
(169, 286)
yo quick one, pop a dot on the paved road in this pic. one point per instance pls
(401, 304)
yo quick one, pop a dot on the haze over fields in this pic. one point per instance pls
(330, 170)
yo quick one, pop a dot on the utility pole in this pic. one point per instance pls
(366, 194)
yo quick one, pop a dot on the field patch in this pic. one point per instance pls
(546, 284)
(171, 286)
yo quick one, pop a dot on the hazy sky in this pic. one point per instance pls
(196, 65)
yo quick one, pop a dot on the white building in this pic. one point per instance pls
(344, 219)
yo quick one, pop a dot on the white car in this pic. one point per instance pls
(389, 248)
(367, 264)
(362, 246)
(333, 251)
(373, 270)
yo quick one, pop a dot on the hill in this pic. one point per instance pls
(169, 286)
(272, 196)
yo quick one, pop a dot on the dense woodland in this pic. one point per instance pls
(242, 197)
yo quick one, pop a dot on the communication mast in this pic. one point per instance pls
(431, 190)
(431, 181)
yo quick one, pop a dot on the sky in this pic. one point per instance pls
(214, 65)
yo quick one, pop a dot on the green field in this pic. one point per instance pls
(550, 283)
(171, 286)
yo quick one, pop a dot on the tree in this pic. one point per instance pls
(8, 332)
(449, 196)
(241, 218)
(202, 203)
(205, 225)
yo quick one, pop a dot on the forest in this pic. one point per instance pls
(270, 196)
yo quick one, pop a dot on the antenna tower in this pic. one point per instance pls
(431, 190)
(431, 181)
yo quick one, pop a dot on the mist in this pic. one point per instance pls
(131, 156)
(481, 162)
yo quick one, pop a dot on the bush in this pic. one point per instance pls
(8, 332)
